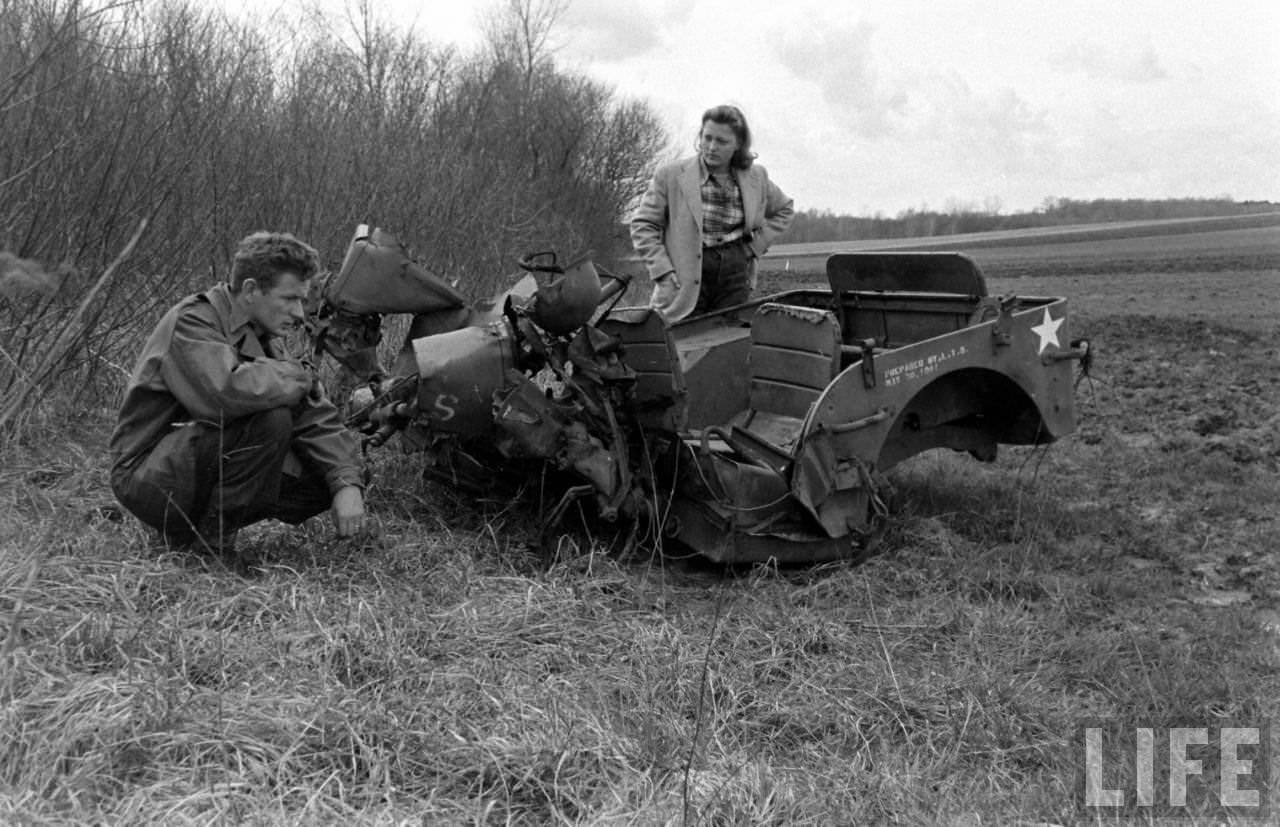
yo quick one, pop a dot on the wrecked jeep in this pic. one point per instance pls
(754, 433)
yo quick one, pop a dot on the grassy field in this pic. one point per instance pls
(437, 672)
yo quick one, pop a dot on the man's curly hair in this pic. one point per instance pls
(265, 257)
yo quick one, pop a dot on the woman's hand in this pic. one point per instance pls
(665, 289)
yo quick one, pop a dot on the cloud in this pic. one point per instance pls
(968, 145)
(906, 132)
(839, 61)
(997, 124)
(939, 108)
(1116, 153)
(1101, 63)
(609, 32)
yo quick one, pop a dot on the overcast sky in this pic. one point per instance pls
(883, 106)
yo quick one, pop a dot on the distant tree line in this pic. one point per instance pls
(824, 225)
(169, 132)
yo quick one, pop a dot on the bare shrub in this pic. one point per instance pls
(112, 115)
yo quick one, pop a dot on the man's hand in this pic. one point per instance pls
(665, 289)
(316, 392)
(348, 511)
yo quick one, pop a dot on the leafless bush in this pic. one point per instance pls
(117, 114)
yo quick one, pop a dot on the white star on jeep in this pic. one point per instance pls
(1047, 331)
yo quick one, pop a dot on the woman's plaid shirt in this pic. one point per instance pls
(723, 219)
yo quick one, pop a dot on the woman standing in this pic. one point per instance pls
(705, 220)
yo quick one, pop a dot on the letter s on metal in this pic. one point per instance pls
(446, 407)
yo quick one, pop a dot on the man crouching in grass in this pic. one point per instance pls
(220, 428)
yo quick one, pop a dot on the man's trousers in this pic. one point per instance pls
(201, 480)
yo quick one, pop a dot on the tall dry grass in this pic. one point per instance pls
(439, 673)
(436, 671)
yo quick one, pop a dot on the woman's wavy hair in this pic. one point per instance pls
(732, 117)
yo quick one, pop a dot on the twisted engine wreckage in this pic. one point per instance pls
(754, 433)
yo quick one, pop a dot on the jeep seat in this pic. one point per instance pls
(795, 354)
